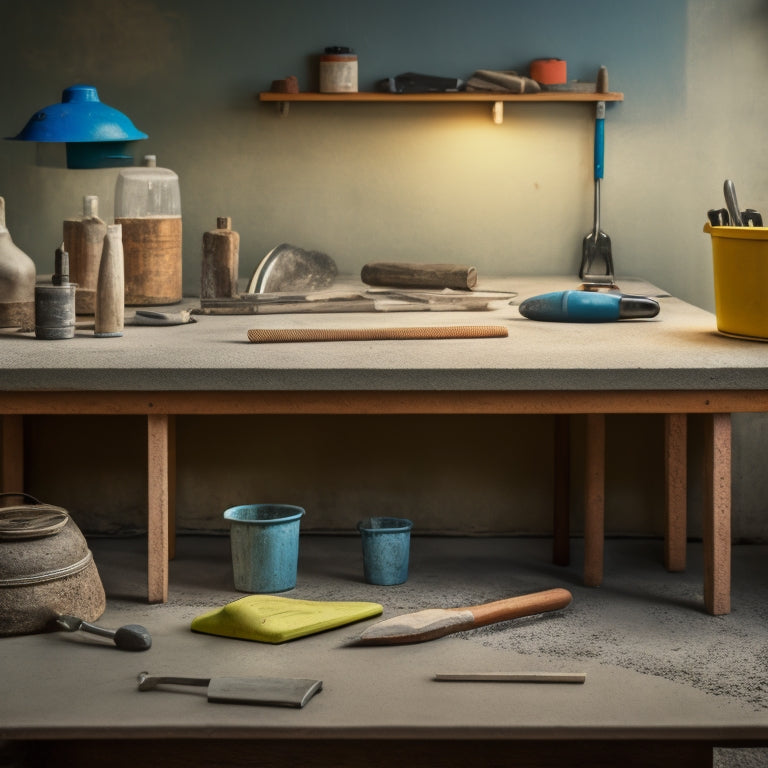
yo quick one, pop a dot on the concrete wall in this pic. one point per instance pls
(397, 182)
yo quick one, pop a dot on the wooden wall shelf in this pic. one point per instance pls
(497, 100)
(442, 97)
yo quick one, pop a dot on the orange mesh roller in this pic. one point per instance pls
(278, 335)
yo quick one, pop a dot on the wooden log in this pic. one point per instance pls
(410, 275)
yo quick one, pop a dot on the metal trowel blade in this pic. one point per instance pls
(267, 691)
(290, 268)
(596, 270)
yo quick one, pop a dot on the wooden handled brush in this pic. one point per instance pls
(437, 622)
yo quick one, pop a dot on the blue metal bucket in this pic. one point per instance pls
(265, 546)
(386, 549)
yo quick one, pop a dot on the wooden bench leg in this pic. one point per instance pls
(157, 507)
(561, 518)
(594, 500)
(675, 490)
(12, 452)
(171, 487)
(716, 528)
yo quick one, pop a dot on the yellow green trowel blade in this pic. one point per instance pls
(269, 619)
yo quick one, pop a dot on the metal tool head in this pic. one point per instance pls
(289, 268)
(68, 623)
(267, 691)
(132, 637)
(416, 627)
(718, 217)
(729, 192)
(596, 270)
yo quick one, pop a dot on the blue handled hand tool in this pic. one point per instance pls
(587, 307)
(596, 269)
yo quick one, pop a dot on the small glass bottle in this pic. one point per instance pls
(148, 207)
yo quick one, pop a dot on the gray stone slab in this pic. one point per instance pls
(679, 349)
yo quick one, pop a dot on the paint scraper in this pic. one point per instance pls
(268, 691)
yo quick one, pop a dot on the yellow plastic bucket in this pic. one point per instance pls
(740, 260)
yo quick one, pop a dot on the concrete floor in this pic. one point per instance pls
(660, 671)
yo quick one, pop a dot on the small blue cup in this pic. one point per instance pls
(386, 549)
(265, 546)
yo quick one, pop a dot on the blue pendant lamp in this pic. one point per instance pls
(96, 135)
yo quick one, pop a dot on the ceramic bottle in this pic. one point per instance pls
(17, 281)
(84, 241)
(110, 289)
(221, 254)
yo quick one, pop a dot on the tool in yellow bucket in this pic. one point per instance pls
(740, 262)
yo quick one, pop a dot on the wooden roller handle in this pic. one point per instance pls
(408, 275)
(515, 607)
(277, 335)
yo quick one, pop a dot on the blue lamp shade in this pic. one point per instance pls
(96, 135)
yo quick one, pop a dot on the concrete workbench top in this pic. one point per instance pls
(680, 349)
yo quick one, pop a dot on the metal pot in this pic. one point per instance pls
(46, 569)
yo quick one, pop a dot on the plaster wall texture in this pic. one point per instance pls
(411, 182)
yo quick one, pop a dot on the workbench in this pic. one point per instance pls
(675, 364)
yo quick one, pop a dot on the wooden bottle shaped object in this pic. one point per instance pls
(110, 290)
(17, 281)
(221, 255)
(84, 241)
